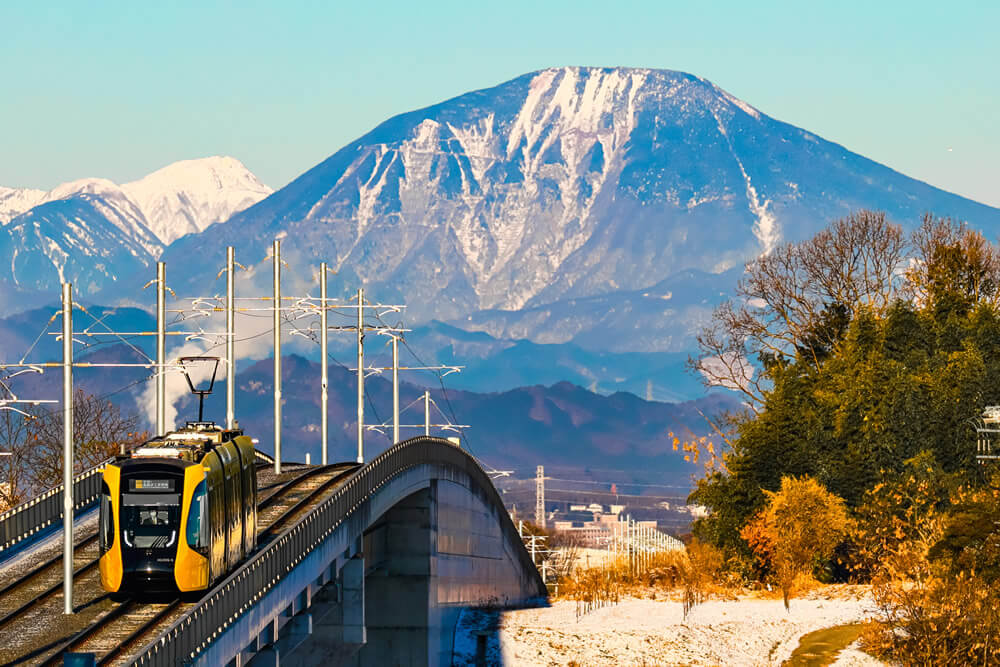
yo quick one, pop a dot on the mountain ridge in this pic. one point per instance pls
(152, 195)
(561, 189)
(564, 184)
(67, 233)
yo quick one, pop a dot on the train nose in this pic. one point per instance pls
(150, 571)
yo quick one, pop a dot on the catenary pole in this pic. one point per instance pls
(276, 256)
(361, 375)
(161, 347)
(395, 389)
(67, 308)
(427, 412)
(230, 338)
(324, 362)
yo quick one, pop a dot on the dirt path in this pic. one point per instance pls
(820, 648)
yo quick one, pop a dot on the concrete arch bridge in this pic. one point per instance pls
(376, 574)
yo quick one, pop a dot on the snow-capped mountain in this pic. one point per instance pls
(95, 233)
(563, 185)
(15, 201)
(571, 199)
(108, 200)
(188, 196)
(89, 239)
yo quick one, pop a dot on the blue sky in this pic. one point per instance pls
(118, 89)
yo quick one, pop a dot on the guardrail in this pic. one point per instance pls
(27, 519)
(32, 516)
(192, 633)
(262, 457)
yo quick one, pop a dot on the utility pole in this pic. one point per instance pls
(540, 496)
(67, 313)
(361, 375)
(161, 354)
(230, 338)
(395, 334)
(395, 389)
(427, 412)
(324, 362)
(276, 256)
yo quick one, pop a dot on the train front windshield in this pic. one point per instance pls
(150, 521)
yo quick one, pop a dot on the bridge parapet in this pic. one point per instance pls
(32, 517)
(278, 581)
(43, 514)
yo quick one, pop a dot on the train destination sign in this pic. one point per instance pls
(151, 485)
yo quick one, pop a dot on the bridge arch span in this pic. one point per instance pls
(376, 574)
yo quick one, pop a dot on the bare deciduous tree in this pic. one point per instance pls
(953, 262)
(798, 299)
(15, 482)
(99, 431)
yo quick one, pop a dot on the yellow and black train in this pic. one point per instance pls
(179, 512)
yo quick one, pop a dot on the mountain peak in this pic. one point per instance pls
(96, 233)
(94, 186)
(15, 201)
(568, 183)
(187, 196)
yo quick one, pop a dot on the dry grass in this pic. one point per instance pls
(693, 574)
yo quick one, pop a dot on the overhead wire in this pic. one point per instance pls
(444, 393)
(312, 335)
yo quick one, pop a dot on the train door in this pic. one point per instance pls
(233, 502)
(106, 519)
(216, 512)
(248, 478)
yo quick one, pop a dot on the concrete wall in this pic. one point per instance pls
(432, 545)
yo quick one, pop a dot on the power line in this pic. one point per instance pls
(613, 495)
(642, 484)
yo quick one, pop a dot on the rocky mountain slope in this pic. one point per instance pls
(608, 208)
(565, 185)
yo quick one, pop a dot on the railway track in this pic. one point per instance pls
(114, 630)
(44, 581)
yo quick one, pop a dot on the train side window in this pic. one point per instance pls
(107, 520)
(197, 522)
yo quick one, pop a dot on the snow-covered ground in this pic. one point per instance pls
(746, 631)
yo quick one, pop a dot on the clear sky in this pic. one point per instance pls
(118, 89)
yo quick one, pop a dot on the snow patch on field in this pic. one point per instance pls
(746, 631)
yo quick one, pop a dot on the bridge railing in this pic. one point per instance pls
(192, 633)
(27, 519)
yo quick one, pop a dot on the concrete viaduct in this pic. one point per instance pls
(375, 575)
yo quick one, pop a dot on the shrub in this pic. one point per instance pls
(801, 524)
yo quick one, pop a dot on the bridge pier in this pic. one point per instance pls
(398, 584)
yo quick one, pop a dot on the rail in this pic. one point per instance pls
(192, 633)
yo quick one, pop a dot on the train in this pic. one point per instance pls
(178, 512)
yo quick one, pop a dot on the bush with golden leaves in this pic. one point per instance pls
(948, 620)
(801, 524)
